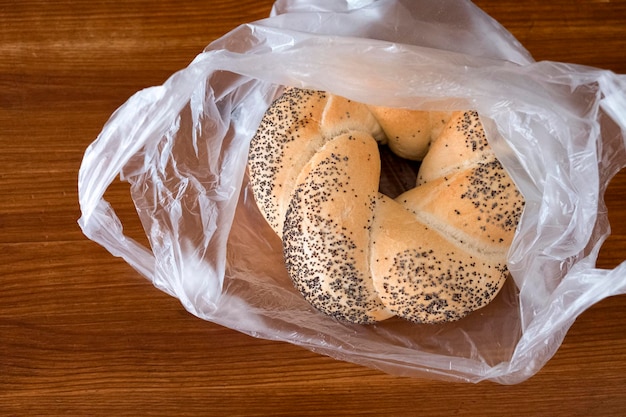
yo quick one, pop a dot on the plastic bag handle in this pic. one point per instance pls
(102, 162)
(104, 227)
(134, 124)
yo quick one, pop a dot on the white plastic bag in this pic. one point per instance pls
(558, 129)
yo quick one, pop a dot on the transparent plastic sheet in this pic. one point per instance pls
(559, 130)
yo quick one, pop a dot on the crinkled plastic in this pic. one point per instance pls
(559, 130)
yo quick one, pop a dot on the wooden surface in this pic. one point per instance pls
(81, 333)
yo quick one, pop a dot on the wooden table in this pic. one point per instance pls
(82, 333)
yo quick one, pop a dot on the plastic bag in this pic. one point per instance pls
(558, 129)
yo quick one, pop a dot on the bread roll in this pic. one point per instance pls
(434, 254)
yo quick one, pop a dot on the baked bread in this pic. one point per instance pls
(433, 254)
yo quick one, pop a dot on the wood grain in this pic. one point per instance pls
(81, 333)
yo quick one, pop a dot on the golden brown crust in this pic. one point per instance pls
(297, 124)
(460, 144)
(426, 276)
(409, 132)
(289, 135)
(326, 234)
